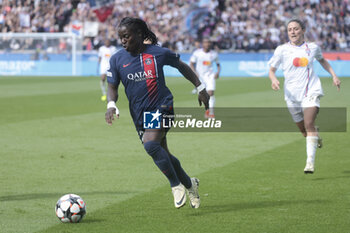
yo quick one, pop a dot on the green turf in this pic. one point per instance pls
(53, 141)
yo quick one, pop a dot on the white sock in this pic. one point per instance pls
(311, 145)
(211, 105)
(103, 87)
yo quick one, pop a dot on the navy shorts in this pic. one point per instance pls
(167, 117)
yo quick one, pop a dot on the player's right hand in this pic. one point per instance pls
(109, 116)
(275, 85)
(203, 97)
(336, 82)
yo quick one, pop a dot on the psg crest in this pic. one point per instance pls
(148, 61)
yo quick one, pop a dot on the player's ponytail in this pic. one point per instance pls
(137, 24)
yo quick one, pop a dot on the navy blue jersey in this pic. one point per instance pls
(143, 78)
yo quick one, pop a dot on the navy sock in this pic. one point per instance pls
(183, 177)
(162, 160)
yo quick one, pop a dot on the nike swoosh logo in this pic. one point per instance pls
(179, 203)
(125, 65)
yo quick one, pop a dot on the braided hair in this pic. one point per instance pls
(138, 25)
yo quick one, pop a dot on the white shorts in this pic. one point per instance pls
(209, 81)
(103, 68)
(296, 109)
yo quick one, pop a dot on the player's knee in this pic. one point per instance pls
(309, 126)
(152, 147)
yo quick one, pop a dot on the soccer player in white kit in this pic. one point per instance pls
(302, 87)
(104, 53)
(201, 62)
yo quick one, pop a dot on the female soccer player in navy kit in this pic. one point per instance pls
(139, 67)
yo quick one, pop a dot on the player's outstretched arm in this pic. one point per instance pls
(275, 84)
(112, 97)
(190, 75)
(325, 64)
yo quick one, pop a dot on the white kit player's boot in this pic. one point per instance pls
(310, 167)
(193, 193)
(179, 194)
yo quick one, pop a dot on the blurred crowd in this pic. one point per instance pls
(247, 25)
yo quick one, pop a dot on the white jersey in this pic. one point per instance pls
(105, 54)
(204, 61)
(297, 64)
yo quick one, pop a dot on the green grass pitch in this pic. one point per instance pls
(54, 140)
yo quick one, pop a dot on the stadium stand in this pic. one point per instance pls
(248, 25)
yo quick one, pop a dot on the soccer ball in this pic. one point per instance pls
(70, 208)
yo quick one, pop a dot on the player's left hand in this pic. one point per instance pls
(203, 97)
(336, 82)
(216, 76)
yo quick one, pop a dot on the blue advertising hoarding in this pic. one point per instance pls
(232, 65)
